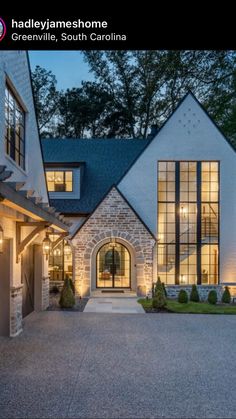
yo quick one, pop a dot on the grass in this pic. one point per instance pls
(191, 307)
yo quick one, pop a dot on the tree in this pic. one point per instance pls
(147, 85)
(82, 111)
(46, 98)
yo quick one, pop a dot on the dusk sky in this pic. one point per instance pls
(68, 66)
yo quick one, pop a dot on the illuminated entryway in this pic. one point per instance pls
(113, 266)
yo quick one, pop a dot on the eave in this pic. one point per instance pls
(30, 206)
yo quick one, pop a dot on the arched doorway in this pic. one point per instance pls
(113, 266)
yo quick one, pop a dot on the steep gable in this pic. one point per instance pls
(189, 134)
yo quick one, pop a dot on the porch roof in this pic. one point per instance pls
(12, 196)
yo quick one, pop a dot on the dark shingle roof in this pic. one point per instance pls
(106, 160)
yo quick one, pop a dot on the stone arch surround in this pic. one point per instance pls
(113, 218)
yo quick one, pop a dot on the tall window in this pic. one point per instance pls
(14, 128)
(59, 181)
(188, 222)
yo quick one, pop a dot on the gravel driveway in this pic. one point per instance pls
(87, 365)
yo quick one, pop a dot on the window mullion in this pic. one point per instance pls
(199, 221)
(177, 222)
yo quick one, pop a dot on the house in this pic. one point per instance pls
(26, 219)
(142, 209)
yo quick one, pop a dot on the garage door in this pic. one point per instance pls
(27, 275)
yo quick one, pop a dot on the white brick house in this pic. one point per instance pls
(25, 215)
(142, 209)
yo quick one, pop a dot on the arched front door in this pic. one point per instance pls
(113, 266)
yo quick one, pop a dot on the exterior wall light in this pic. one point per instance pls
(183, 211)
(57, 252)
(47, 246)
(1, 239)
(182, 279)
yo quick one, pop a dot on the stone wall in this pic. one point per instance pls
(203, 290)
(113, 218)
(16, 311)
(45, 292)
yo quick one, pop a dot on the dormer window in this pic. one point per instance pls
(59, 181)
(15, 128)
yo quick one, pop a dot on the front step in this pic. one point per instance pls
(113, 291)
(103, 293)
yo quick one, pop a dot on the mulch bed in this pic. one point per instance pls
(80, 303)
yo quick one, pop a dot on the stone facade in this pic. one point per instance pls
(16, 311)
(45, 292)
(203, 290)
(113, 218)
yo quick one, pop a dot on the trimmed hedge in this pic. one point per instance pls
(183, 297)
(194, 296)
(67, 298)
(226, 297)
(159, 301)
(158, 287)
(212, 297)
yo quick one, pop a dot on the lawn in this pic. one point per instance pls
(190, 307)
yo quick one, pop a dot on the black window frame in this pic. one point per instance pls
(14, 138)
(199, 202)
(63, 183)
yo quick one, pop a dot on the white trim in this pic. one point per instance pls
(16, 165)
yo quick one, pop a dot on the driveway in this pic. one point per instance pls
(88, 365)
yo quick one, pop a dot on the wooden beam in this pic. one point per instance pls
(5, 175)
(2, 168)
(25, 206)
(30, 192)
(20, 245)
(32, 224)
(56, 243)
(51, 209)
(38, 199)
(16, 185)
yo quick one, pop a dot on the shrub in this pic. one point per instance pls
(183, 297)
(153, 290)
(164, 289)
(72, 285)
(212, 297)
(226, 297)
(159, 301)
(158, 287)
(67, 299)
(194, 296)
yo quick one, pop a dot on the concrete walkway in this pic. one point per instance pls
(123, 305)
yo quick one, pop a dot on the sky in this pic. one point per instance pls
(68, 66)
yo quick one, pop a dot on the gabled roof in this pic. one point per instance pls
(105, 160)
(127, 202)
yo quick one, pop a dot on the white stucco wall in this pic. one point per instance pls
(14, 65)
(188, 135)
